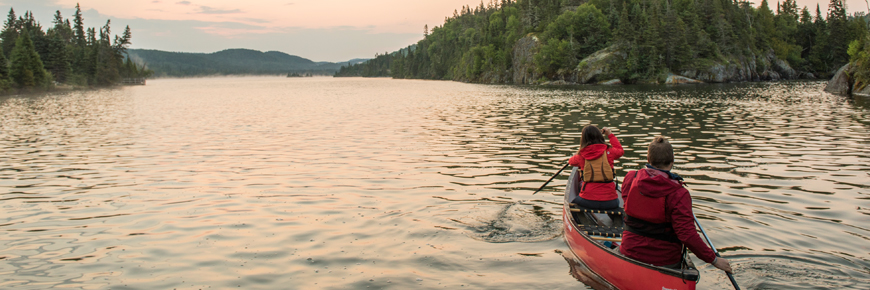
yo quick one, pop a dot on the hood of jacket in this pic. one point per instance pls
(593, 151)
(656, 183)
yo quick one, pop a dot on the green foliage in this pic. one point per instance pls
(225, 62)
(63, 54)
(380, 66)
(653, 38)
(859, 53)
(27, 70)
(5, 81)
(573, 36)
(554, 56)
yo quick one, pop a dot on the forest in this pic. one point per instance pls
(65, 53)
(633, 41)
(229, 62)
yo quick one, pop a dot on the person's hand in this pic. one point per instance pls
(606, 132)
(722, 264)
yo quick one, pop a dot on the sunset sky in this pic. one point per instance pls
(321, 30)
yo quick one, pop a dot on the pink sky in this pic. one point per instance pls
(321, 30)
(397, 16)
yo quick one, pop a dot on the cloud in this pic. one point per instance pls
(209, 10)
(255, 20)
(183, 3)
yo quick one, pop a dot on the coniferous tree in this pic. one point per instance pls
(57, 61)
(27, 70)
(10, 32)
(650, 38)
(5, 81)
(838, 33)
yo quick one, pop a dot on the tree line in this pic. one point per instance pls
(229, 62)
(66, 53)
(656, 37)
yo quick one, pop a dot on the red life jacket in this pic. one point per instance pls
(645, 209)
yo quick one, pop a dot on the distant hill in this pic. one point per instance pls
(231, 62)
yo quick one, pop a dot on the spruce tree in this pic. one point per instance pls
(27, 70)
(5, 81)
(79, 28)
(57, 61)
(10, 33)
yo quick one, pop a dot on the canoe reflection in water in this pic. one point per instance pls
(582, 273)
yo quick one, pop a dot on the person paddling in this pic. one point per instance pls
(595, 159)
(658, 214)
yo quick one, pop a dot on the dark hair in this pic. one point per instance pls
(591, 135)
(660, 152)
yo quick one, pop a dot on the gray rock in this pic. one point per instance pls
(524, 69)
(841, 84)
(558, 83)
(611, 82)
(864, 92)
(598, 65)
(675, 79)
(752, 68)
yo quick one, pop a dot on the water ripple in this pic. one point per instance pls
(352, 183)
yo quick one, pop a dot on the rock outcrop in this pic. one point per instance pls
(599, 66)
(758, 68)
(865, 92)
(602, 66)
(676, 80)
(523, 56)
(841, 84)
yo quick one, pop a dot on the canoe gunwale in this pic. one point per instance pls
(603, 257)
(668, 271)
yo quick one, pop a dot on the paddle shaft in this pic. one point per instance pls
(733, 282)
(551, 179)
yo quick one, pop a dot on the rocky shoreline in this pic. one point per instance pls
(843, 84)
(599, 67)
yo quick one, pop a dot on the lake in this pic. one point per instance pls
(351, 183)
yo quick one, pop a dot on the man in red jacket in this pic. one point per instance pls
(658, 214)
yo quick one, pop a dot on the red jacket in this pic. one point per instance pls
(654, 186)
(598, 191)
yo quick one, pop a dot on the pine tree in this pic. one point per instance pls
(79, 28)
(27, 70)
(57, 61)
(10, 33)
(107, 60)
(838, 34)
(5, 81)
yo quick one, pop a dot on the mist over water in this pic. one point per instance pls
(322, 183)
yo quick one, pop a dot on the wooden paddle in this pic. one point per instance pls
(733, 282)
(551, 179)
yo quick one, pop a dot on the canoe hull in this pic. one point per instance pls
(617, 270)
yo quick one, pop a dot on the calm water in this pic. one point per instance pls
(277, 183)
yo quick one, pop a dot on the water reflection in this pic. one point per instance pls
(354, 183)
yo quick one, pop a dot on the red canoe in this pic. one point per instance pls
(586, 241)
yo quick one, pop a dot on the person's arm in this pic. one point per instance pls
(576, 160)
(683, 221)
(616, 150)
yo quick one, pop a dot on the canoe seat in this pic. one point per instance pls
(577, 208)
(596, 230)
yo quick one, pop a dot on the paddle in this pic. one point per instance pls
(733, 282)
(551, 179)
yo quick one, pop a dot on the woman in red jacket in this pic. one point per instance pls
(595, 159)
